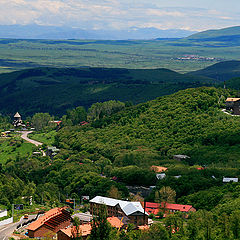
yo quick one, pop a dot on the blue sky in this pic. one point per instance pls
(194, 15)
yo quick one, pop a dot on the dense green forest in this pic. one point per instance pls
(55, 90)
(116, 146)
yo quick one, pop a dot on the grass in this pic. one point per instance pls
(46, 138)
(136, 54)
(11, 147)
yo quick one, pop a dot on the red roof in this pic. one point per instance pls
(84, 230)
(154, 207)
(115, 222)
(47, 216)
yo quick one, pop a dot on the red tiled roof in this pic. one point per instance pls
(154, 207)
(84, 230)
(158, 169)
(47, 216)
(143, 227)
(115, 222)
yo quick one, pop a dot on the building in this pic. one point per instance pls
(160, 176)
(70, 232)
(118, 208)
(180, 157)
(233, 104)
(158, 169)
(52, 151)
(50, 223)
(227, 180)
(154, 208)
(85, 230)
(17, 122)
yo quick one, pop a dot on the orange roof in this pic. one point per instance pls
(232, 99)
(158, 168)
(115, 222)
(84, 230)
(143, 227)
(48, 215)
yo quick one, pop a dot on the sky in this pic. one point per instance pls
(194, 15)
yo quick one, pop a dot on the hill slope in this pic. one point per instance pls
(55, 90)
(220, 71)
(228, 36)
(187, 122)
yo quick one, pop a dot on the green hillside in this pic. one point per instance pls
(220, 71)
(188, 122)
(55, 90)
(229, 35)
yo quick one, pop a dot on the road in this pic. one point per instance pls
(7, 230)
(25, 137)
(36, 143)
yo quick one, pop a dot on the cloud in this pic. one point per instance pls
(115, 14)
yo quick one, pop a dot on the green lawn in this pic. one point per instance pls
(11, 147)
(47, 138)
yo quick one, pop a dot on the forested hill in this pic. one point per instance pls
(188, 122)
(220, 71)
(55, 90)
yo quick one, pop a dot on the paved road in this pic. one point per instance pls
(7, 230)
(224, 111)
(36, 143)
(25, 137)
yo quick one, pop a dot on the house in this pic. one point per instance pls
(50, 223)
(160, 176)
(52, 151)
(227, 180)
(85, 230)
(180, 157)
(234, 105)
(70, 232)
(118, 208)
(158, 169)
(230, 102)
(154, 208)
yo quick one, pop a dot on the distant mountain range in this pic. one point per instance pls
(52, 32)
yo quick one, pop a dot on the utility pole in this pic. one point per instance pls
(12, 210)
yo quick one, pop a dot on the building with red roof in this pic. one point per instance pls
(50, 223)
(154, 208)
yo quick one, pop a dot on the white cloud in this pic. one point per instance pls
(117, 14)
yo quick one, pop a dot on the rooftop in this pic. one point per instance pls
(47, 216)
(232, 99)
(127, 207)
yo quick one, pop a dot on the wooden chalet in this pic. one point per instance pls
(50, 223)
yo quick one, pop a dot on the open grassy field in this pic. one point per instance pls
(11, 147)
(20, 54)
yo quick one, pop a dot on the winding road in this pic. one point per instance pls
(36, 143)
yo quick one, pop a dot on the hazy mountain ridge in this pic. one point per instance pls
(53, 32)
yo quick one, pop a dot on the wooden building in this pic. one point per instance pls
(50, 223)
(118, 208)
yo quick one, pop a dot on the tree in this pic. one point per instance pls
(156, 232)
(113, 192)
(40, 120)
(101, 228)
(77, 115)
(165, 195)
(76, 232)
